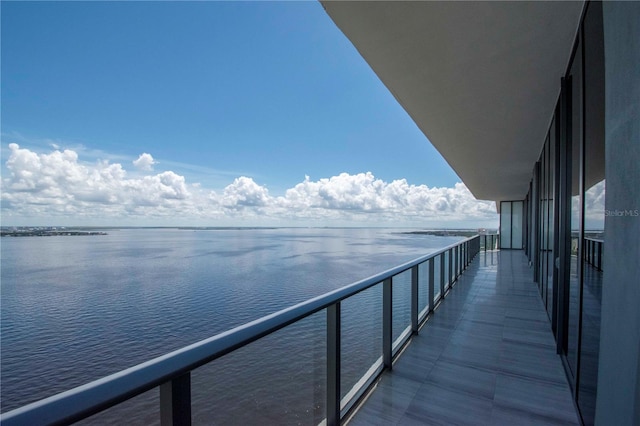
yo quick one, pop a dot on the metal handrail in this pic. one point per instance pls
(597, 240)
(166, 370)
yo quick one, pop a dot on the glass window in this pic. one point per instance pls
(594, 196)
(575, 240)
(505, 224)
(550, 222)
(542, 258)
(516, 225)
(532, 205)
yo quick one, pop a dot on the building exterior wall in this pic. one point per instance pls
(618, 400)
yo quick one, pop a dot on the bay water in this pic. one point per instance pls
(77, 308)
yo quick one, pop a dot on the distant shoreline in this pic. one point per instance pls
(445, 233)
(52, 231)
(48, 233)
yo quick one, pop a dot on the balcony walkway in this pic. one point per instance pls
(486, 357)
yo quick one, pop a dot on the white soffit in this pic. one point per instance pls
(480, 79)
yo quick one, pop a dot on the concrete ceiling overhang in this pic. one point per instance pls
(480, 79)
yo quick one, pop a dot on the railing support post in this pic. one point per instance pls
(415, 313)
(387, 322)
(333, 364)
(175, 401)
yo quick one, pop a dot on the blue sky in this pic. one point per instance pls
(236, 104)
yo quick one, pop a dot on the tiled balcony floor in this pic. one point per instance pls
(486, 357)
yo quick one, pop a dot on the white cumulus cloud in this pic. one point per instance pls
(144, 162)
(244, 192)
(59, 185)
(364, 194)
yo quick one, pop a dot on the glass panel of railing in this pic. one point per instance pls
(463, 255)
(452, 259)
(423, 289)
(278, 379)
(143, 409)
(447, 268)
(361, 336)
(600, 255)
(463, 260)
(436, 277)
(401, 310)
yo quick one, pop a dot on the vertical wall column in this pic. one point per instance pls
(618, 400)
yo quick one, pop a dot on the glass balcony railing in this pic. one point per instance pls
(593, 252)
(489, 242)
(341, 341)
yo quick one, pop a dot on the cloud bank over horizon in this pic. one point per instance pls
(58, 188)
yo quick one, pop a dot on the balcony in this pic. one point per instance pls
(486, 356)
(472, 347)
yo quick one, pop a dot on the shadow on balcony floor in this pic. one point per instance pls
(487, 356)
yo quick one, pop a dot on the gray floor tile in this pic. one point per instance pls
(544, 399)
(435, 405)
(486, 356)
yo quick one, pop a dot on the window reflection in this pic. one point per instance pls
(542, 258)
(550, 223)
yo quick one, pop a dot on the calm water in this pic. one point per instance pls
(75, 309)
